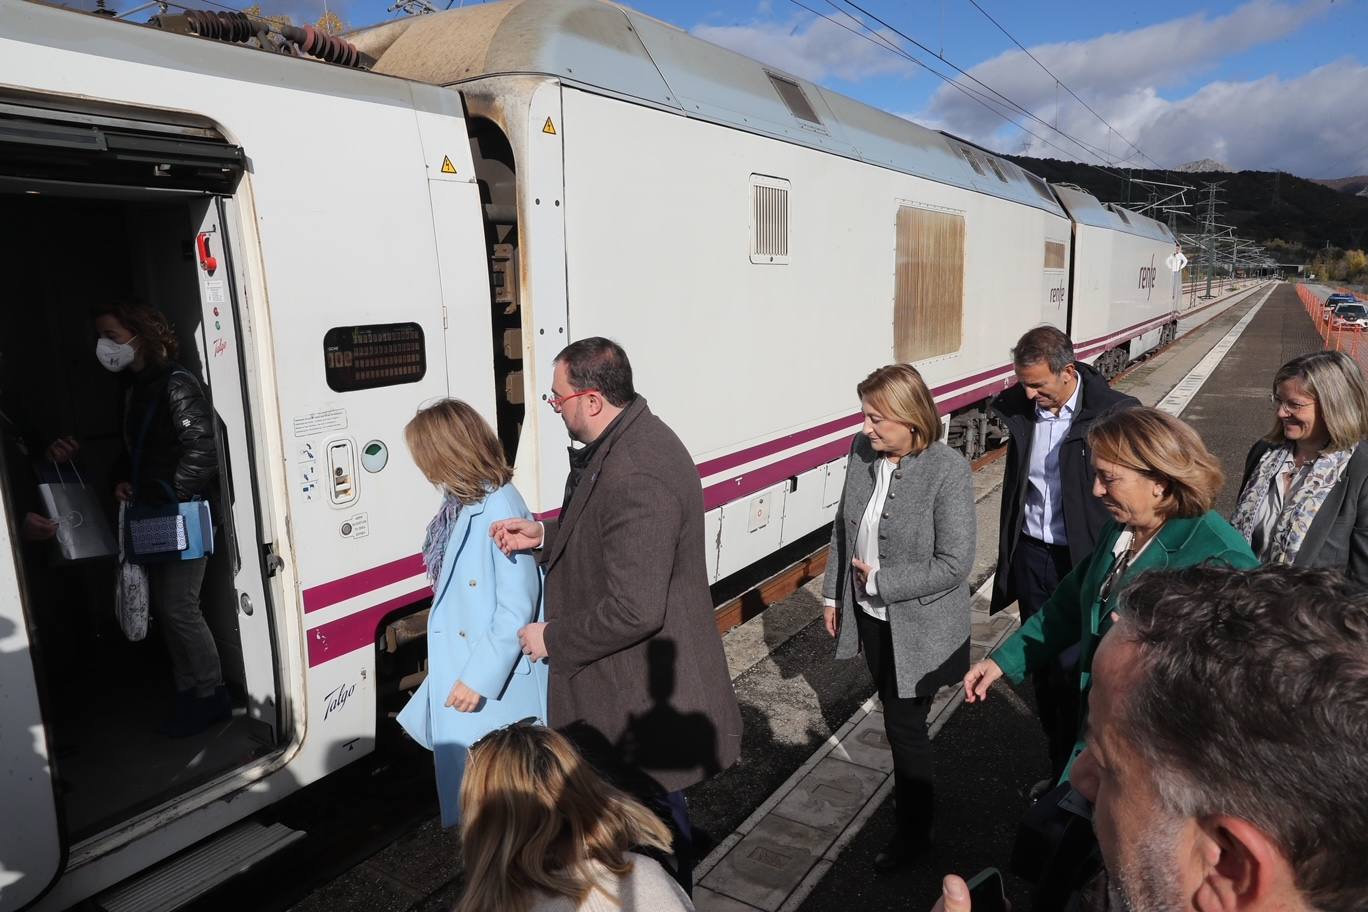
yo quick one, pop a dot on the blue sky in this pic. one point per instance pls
(1266, 84)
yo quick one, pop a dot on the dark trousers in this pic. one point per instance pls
(1037, 568)
(905, 726)
(673, 811)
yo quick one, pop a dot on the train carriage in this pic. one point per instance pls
(337, 246)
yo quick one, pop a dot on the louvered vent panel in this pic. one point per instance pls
(769, 221)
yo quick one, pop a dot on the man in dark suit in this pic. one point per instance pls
(638, 677)
(1050, 519)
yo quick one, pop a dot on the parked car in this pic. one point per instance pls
(1352, 313)
(1339, 298)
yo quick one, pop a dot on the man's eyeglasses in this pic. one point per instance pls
(557, 401)
(1289, 404)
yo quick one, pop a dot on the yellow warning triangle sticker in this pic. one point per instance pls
(447, 166)
(549, 127)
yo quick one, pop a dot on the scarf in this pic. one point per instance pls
(438, 531)
(1299, 511)
(580, 457)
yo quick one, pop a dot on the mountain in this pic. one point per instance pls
(1302, 215)
(1354, 186)
(1203, 166)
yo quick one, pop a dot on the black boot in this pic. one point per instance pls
(193, 714)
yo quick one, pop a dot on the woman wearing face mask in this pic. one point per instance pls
(1304, 496)
(478, 678)
(172, 455)
(1158, 481)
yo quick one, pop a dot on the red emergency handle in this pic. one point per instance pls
(207, 261)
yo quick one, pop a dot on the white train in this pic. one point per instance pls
(337, 246)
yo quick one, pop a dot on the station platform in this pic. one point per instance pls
(987, 756)
(797, 822)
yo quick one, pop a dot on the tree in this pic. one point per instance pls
(329, 23)
(255, 12)
(1355, 265)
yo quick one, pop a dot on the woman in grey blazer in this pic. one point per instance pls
(896, 586)
(1304, 496)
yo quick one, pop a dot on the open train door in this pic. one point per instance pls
(31, 846)
(222, 340)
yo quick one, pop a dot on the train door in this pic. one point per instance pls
(241, 581)
(30, 855)
(97, 213)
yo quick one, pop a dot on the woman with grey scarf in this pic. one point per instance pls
(478, 679)
(1304, 495)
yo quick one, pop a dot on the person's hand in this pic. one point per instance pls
(862, 572)
(124, 491)
(462, 698)
(532, 639)
(63, 449)
(979, 679)
(516, 535)
(832, 618)
(954, 895)
(37, 528)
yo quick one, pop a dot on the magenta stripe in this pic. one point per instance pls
(339, 590)
(350, 633)
(956, 385)
(1122, 335)
(769, 448)
(950, 396)
(765, 476)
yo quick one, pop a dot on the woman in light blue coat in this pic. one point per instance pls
(478, 679)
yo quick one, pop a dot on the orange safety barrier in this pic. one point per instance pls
(1337, 335)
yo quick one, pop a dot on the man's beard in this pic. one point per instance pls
(1151, 883)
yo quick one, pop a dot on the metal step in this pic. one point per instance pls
(192, 874)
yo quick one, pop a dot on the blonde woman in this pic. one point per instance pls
(1304, 495)
(896, 586)
(1158, 481)
(541, 832)
(478, 678)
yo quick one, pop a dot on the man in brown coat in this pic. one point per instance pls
(638, 678)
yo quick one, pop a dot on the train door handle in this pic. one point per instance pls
(207, 261)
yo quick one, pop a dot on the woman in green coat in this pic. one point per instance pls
(1158, 481)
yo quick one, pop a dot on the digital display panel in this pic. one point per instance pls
(382, 354)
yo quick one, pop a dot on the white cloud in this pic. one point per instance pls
(810, 47)
(1122, 75)
(1315, 125)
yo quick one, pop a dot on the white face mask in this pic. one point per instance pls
(115, 356)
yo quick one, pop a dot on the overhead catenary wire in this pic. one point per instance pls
(1097, 153)
(1061, 83)
(968, 91)
(1094, 150)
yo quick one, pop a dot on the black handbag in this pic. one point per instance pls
(1055, 846)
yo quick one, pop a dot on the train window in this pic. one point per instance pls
(992, 163)
(769, 220)
(928, 296)
(1056, 255)
(1040, 187)
(381, 354)
(793, 96)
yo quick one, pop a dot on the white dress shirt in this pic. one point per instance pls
(867, 541)
(1044, 515)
